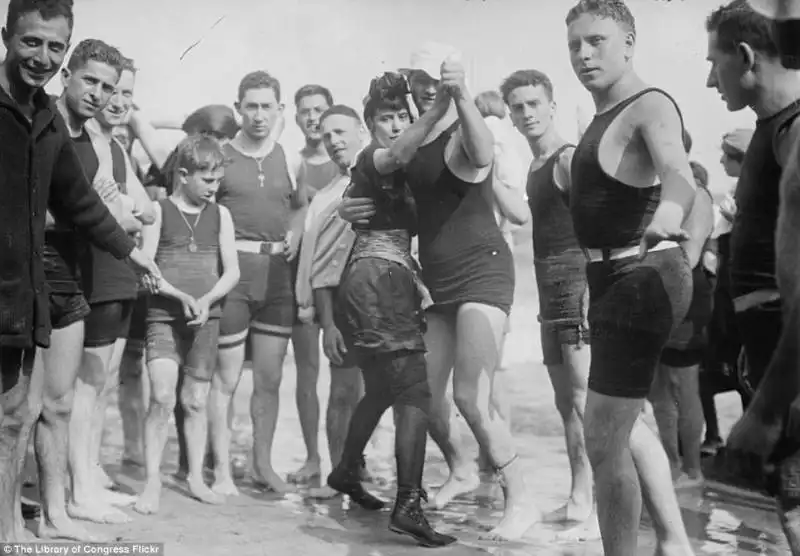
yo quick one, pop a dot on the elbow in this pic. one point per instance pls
(518, 219)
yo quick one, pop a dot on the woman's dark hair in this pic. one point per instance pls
(389, 91)
(214, 119)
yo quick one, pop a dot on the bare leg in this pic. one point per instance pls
(500, 404)
(268, 355)
(345, 391)
(194, 397)
(624, 451)
(569, 382)
(60, 367)
(664, 397)
(21, 405)
(132, 403)
(305, 339)
(163, 379)
(440, 341)
(609, 422)
(690, 423)
(479, 330)
(230, 359)
(88, 501)
(110, 385)
(659, 495)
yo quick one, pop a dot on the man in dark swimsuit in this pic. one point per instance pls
(560, 265)
(639, 276)
(90, 79)
(748, 68)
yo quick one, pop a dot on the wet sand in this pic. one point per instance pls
(257, 523)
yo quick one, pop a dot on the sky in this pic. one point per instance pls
(342, 44)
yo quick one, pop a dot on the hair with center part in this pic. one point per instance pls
(526, 78)
(340, 110)
(313, 90)
(490, 103)
(94, 50)
(259, 80)
(200, 153)
(738, 23)
(48, 9)
(615, 10)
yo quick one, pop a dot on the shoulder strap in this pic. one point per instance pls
(790, 114)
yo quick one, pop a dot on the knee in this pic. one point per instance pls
(194, 396)
(267, 382)
(162, 397)
(343, 395)
(58, 407)
(599, 442)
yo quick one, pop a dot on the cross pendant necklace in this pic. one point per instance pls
(261, 176)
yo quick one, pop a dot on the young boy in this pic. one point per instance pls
(190, 237)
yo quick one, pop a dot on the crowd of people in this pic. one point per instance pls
(161, 282)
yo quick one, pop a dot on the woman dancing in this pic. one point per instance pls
(379, 307)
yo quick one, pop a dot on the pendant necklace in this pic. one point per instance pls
(261, 177)
(192, 244)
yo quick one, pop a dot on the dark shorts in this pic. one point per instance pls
(760, 329)
(108, 322)
(555, 335)
(137, 332)
(67, 309)
(635, 306)
(688, 344)
(379, 308)
(261, 303)
(561, 281)
(193, 349)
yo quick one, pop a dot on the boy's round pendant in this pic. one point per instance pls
(193, 247)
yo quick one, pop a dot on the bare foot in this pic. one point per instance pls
(199, 490)
(589, 530)
(65, 529)
(673, 549)
(97, 512)
(305, 474)
(101, 478)
(273, 482)
(118, 499)
(453, 487)
(686, 482)
(150, 499)
(517, 519)
(323, 493)
(225, 487)
(570, 512)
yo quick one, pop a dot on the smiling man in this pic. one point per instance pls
(111, 288)
(36, 37)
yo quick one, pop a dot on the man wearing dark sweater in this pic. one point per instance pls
(39, 169)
